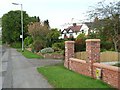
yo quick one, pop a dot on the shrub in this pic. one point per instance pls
(28, 40)
(80, 44)
(47, 50)
(16, 45)
(37, 45)
(58, 46)
(107, 45)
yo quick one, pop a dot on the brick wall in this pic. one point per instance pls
(109, 74)
(80, 66)
(93, 50)
(69, 52)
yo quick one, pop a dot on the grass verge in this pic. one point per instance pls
(29, 54)
(60, 77)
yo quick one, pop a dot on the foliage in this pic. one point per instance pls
(0, 42)
(16, 45)
(108, 22)
(58, 46)
(60, 77)
(29, 54)
(28, 40)
(11, 26)
(80, 43)
(52, 36)
(46, 23)
(36, 30)
(47, 50)
(106, 45)
(38, 44)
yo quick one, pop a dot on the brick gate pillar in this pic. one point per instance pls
(93, 52)
(69, 52)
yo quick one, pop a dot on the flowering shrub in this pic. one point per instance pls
(47, 50)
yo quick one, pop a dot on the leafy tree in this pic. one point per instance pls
(80, 44)
(109, 21)
(38, 33)
(52, 36)
(36, 30)
(11, 26)
(28, 40)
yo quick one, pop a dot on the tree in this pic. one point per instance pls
(109, 20)
(11, 26)
(38, 33)
(80, 42)
(46, 23)
(52, 36)
(36, 29)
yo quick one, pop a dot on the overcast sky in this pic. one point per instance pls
(57, 12)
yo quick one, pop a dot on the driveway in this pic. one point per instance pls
(22, 73)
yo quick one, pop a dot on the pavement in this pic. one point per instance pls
(20, 72)
(110, 63)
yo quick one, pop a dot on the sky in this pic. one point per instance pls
(58, 12)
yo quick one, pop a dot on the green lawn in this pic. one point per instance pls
(60, 77)
(29, 54)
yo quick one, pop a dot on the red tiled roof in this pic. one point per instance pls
(74, 28)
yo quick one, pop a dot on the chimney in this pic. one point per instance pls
(74, 24)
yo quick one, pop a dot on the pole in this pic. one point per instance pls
(22, 26)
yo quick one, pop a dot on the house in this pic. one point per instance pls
(73, 31)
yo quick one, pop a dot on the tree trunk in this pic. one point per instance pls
(115, 45)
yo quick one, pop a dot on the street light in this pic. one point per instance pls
(21, 23)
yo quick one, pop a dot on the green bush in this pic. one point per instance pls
(58, 46)
(28, 40)
(107, 45)
(37, 45)
(16, 45)
(47, 50)
(80, 44)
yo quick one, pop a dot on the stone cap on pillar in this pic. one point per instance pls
(70, 42)
(93, 40)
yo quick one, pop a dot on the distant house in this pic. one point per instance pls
(73, 31)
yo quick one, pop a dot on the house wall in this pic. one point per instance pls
(109, 74)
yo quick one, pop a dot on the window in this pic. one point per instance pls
(82, 31)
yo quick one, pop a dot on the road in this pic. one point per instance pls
(19, 72)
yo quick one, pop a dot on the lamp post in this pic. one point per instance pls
(21, 23)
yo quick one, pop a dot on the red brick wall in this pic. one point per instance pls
(69, 52)
(80, 66)
(110, 74)
(93, 50)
